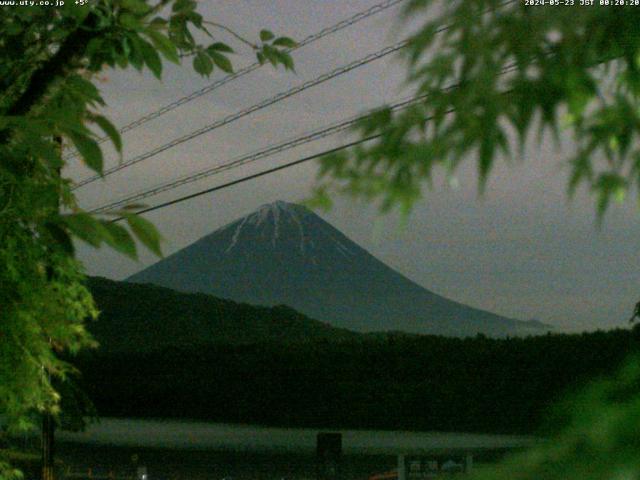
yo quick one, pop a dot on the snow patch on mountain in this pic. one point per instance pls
(276, 225)
(297, 221)
(236, 234)
(343, 249)
(261, 216)
(279, 212)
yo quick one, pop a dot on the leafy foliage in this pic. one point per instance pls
(573, 69)
(7, 470)
(601, 439)
(488, 74)
(48, 102)
(498, 72)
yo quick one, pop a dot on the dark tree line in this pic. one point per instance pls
(386, 381)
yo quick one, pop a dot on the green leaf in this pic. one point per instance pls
(122, 61)
(85, 227)
(110, 130)
(158, 23)
(129, 21)
(219, 47)
(196, 19)
(135, 6)
(125, 46)
(270, 54)
(266, 35)
(146, 232)
(46, 150)
(60, 237)
(485, 162)
(581, 170)
(285, 42)
(164, 45)
(88, 149)
(319, 199)
(136, 58)
(31, 126)
(13, 28)
(609, 185)
(184, 6)
(202, 64)
(285, 59)
(83, 88)
(120, 239)
(67, 118)
(151, 58)
(222, 62)
(75, 11)
(94, 52)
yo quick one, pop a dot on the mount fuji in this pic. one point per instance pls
(285, 254)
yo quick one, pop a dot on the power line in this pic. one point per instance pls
(504, 71)
(248, 111)
(265, 103)
(264, 153)
(250, 158)
(374, 10)
(251, 177)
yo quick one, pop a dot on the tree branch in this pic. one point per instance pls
(228, 30)
(74, 46)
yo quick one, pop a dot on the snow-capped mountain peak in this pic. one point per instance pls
(274, 220)
(284, 254)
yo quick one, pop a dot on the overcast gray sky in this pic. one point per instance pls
(521, 250)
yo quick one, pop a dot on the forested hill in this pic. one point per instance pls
(389, 381)
(144, 317)
(171, 354)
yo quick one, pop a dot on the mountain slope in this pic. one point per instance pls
(285, 254)
(144, 318)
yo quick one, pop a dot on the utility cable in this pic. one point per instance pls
(247, 111)
(250, 177)
(267, 152)
(404, 104)
(264, 104)
(249, 158)
(374, 10)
